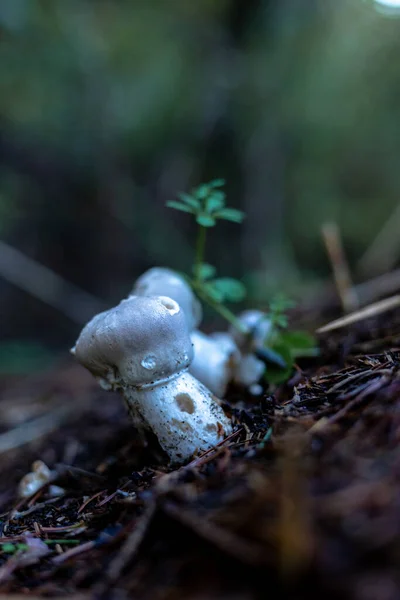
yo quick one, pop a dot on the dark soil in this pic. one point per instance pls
(301, 501)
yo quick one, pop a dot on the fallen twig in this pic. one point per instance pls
(340, 267)
(365, 313)
(43, 283)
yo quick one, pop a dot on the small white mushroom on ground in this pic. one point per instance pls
(214, 357)
(40, 476)
(250, 369)
(258, 326)
(142, 347)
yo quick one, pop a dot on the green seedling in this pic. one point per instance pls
(12, 548)
(207, 204)
(289, 345)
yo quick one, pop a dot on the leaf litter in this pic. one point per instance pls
(302, 499)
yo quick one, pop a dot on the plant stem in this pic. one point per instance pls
(197, 283)
(200, 250)
(221, 309)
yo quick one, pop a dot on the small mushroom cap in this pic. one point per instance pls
(258, 326)
(165, 282)
(140, 341)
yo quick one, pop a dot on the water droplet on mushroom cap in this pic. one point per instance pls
(149, 362)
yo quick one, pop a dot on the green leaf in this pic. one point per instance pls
(190, 201)
(275, 375)
(8, 548)
(230, 214)
(215, 183)
(205, 271)
(213, 292)
(281, 303)
(22, 547)
(231, 289)
(179, 206)
(202, 191)
(298, 340)
(215, 201)
(205, 220)
(266, 438)
(280, 320)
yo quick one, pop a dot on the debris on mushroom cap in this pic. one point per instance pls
(215, 359)
(161, 281)
(142, 340)
(258, 326)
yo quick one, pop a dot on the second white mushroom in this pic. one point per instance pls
(221, 357)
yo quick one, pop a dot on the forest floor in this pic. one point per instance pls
(301, 501)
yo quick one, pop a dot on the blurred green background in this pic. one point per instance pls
(108, 108)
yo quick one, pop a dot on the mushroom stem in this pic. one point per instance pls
(221, 309)
(181, 412)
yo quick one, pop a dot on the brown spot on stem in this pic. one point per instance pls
(185, 403)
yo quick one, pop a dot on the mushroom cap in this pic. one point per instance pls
(165, 282)
(141, 341)
(258, 326)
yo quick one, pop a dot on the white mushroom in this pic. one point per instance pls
(250, 369)
(214, 357)
(257, 324)
(142, 347)
(160, 281)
